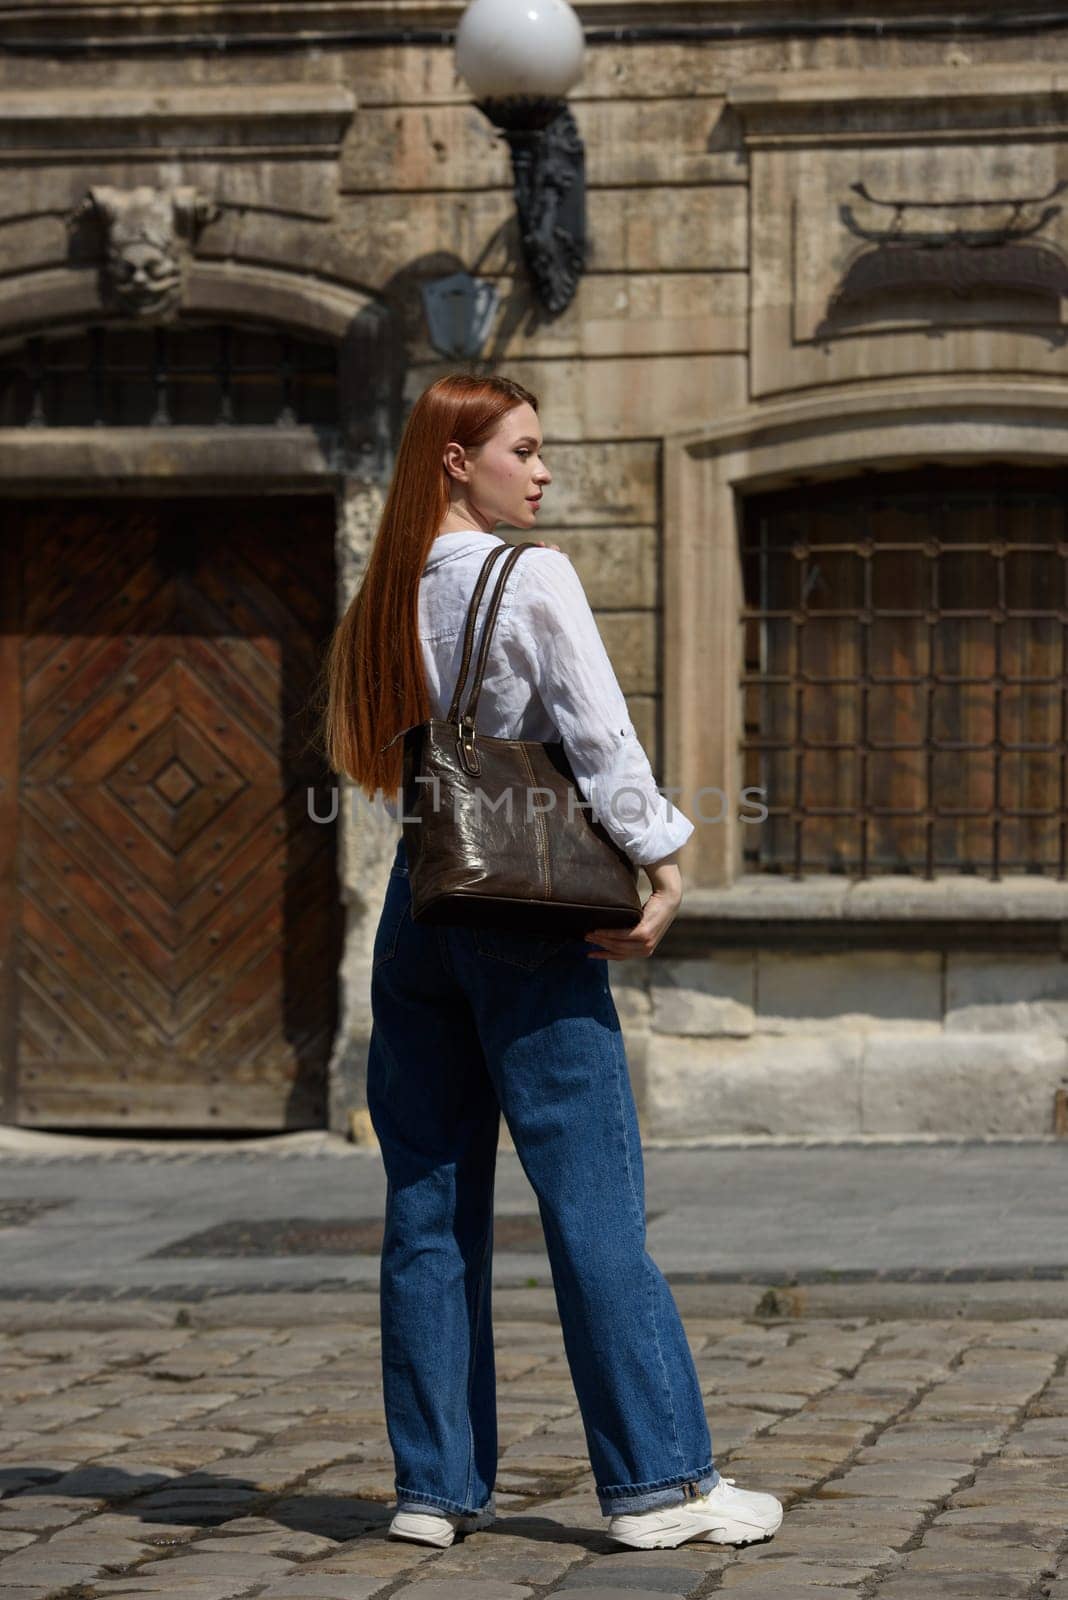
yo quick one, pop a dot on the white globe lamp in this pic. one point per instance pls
(519, 47)
(519, 58)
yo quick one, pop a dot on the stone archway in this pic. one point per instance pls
(349, 464)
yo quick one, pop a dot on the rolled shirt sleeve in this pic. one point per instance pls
(556, 634)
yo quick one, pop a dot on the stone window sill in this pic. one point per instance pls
(1019, 912)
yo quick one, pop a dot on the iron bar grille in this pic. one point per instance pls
(903, 694)
(200, 374)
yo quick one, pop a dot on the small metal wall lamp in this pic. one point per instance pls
(459, 310)
(519, 58)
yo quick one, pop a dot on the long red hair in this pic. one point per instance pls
(373, 670)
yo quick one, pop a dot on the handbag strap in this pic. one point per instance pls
(465, 729)
(469, 627)
(487, 631)
(469, 635)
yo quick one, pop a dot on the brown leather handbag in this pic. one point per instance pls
(479, 852)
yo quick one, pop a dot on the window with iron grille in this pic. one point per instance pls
(191, 373)
(905, 681)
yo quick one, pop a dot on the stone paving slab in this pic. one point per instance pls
(248, 1460)
(659, 1579)
(627, 1592)
(322, 1586)
(464, 1589)
(807, 1223)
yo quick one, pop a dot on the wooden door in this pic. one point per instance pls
(170, 923)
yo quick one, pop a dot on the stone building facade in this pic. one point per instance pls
(806, 415)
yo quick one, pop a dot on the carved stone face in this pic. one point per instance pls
(144, 277)
(148, 234)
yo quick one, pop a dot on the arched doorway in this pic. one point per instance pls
(171, 926)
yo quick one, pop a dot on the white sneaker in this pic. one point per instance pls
(725, 1515)
(434, 1526)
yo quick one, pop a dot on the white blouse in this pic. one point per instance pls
(548, 677)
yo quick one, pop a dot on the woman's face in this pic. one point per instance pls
(503, 479)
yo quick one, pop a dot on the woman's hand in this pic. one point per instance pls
(658, 913)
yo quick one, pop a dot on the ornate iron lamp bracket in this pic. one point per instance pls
(548, 165)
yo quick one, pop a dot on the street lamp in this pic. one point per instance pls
(519, 58)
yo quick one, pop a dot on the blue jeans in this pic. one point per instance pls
(467, 1023)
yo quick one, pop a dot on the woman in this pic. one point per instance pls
(470, 1022)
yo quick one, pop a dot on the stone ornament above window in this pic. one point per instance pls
(148, 235)
(962, 248)
(905, 223)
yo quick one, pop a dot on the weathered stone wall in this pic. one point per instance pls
(862, 1042)
(659, 341)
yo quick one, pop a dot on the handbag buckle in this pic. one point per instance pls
(465, 748)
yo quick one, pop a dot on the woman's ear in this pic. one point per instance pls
(455, 461)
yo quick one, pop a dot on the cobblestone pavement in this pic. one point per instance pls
(881, 1334)
(237, 1447)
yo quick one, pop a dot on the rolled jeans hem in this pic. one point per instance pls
(429, 1502)
(618, 1502)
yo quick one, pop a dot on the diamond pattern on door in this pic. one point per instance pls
(170, 912)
